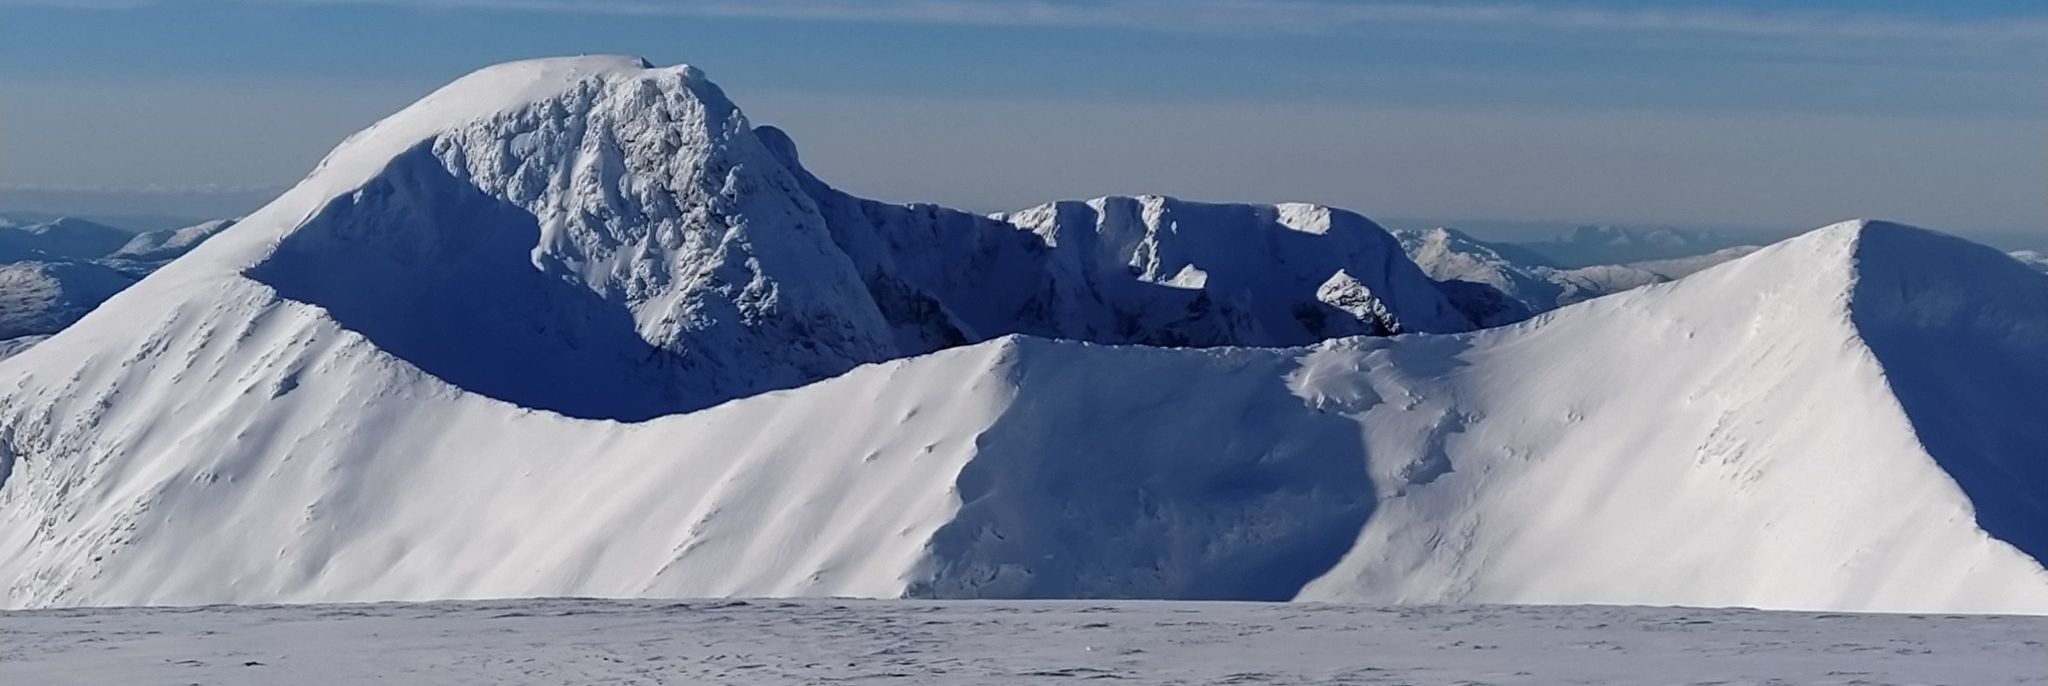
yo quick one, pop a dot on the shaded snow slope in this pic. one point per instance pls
(1959, 334)
(1150, 270)
(64, 238)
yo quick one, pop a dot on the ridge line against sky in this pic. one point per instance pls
(1744, 113)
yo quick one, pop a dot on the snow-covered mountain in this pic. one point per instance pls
(63, 237)
(1147, 270)
(628, 226)
(150, 250)
(367, 390)
(1499, 285)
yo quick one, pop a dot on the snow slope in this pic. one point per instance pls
(1769, 432)
(274, 417)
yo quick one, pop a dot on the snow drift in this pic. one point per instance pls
(370, 389)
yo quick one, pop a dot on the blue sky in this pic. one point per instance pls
(1753, 113)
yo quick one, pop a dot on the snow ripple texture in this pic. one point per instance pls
(552, 642)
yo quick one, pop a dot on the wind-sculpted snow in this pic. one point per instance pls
(759, 643)
(347, 396)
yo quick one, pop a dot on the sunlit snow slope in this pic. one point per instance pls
(1842, 421)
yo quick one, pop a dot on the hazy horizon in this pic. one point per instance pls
(1749, 116)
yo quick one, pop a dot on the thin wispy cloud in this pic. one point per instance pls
(1268, 16)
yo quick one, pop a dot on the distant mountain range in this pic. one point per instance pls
(55, 270)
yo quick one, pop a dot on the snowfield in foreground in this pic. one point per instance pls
(811, 642)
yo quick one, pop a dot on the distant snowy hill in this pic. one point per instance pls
(149, 250)
(64, 237)
(41, 298)
(1479, 274)
(374, 382)
(54, 271)
(1588, 246)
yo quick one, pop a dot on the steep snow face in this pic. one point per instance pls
(626, 228)
(1274, 275)
(1959, 353)
(41, 298)
(1150, 270)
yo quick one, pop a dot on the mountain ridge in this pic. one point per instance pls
(1623, 450)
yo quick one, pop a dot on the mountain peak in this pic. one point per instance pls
(620, 221)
